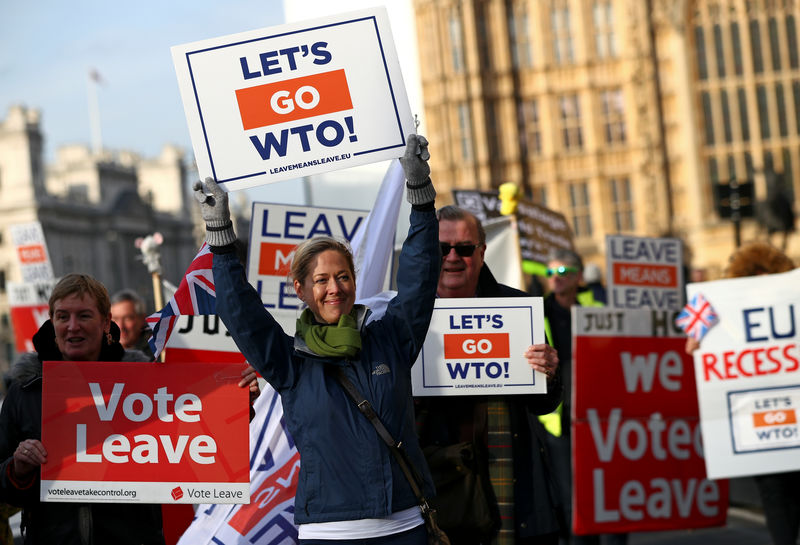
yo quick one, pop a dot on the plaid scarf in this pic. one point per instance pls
(501, 468)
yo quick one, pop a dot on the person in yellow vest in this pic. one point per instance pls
(564, 278)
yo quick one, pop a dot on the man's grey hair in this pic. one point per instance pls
(454, 213)
(129, 295)
(565, 256)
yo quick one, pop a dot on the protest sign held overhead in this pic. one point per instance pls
(748, 374)
(143, 432)
(644, 272)
(294, 100)
(636, 445)
(476, 347)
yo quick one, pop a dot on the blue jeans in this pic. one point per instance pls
(414, 536)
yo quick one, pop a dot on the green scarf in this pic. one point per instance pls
(340, 340)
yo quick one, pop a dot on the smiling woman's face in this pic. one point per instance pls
(329, 289)
(79, 327)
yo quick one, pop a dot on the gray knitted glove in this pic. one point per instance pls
(415, 165)
(214, 208)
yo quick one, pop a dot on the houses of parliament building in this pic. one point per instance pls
(628, 116)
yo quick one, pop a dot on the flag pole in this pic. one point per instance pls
(158, 299)
(94, 112)
(151, 257)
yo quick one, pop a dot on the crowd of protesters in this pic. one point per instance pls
(519, 445)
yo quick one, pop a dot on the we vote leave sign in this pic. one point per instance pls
(144, 432)
(636, 440)
(294, 100)
(748, 375)
(476, 346)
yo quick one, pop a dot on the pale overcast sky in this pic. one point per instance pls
(47, 48)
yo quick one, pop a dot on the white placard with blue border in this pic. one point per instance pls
(294, 100)
(476, 346)
(747, 370)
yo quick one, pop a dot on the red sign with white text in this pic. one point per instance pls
(145, 432)
(28, 309)
(32, 253)
(643, 274)
(476, 345)
(27, 321)
(275, 259)
(636, 441)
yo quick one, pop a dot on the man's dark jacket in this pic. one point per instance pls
(449, 420)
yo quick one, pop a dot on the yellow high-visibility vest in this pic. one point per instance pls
(552, 421)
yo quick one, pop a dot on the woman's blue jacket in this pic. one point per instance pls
(346, 472)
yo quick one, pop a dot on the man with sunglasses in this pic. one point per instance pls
(501, 427)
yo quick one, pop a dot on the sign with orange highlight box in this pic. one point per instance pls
(476, 346)
(31, 249)
(275, 232)
(145, 433)
(747, 371)
(294, 100)
(644, 272)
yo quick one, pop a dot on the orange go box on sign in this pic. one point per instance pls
(293, 99)
(779, 417)
(476, 345)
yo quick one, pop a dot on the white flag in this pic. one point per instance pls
(373, 242)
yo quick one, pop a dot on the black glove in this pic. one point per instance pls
(415, 166)
(214, 208)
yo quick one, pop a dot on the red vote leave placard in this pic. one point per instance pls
(636, 441)
(145, 432)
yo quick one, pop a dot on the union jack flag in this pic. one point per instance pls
(196, 296)
(697, 317)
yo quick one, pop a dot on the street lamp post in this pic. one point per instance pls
(736, 214)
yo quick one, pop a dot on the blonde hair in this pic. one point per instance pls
(306, 252)
(81, 284)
